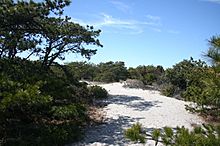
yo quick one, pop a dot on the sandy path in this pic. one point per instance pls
(128, 106)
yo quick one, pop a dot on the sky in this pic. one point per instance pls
(148, 32)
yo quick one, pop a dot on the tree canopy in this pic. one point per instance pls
(42, 30)
(213, 52)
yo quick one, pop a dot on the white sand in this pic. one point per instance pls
(127, 106)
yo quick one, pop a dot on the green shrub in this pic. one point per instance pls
(134, 133)
(39, 107)
(28, 116)
(97, 92)
(147, 74)
(59, 134)
(71, 111)
(168, 90)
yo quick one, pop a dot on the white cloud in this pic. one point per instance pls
(129, 26)
(108, 20)
(213, 1)
(121, 6)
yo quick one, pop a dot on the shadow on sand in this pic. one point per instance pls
(112, 131)
(135, 102)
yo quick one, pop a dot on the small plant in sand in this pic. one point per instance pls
(156, 135)
(134, 133)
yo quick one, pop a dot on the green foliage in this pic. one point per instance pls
(156, 135)
(69, 111)
(106, 77)
(37, 105)
(31, 113)
(167, 136)
(213, 53)
(58, 134)
(29, 98)
(97, 92)
(42, 134)
(83, 70)
(21, 70)
(181, 73)
(196, 82)
(168, 90)
(205, 84)
(41, 101)
(208, 135)
(22, 103)
(28, 26)
(103, 72)
(134, 133)
(204, 91)
(147, 74)
(32, 108)
(112, 71)
(22, 21)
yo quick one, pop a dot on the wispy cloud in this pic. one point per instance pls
(173, 31)
(153, 18)
(154, 22)
(120, 25)
(213, 1)
(121, 6)
(108, 20)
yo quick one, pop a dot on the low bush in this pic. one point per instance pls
(77, 111)
(97, 92)
(28, 117)
(168, 90)
(39, 107)
(59, 133)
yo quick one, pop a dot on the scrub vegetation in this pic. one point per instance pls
(43, 102)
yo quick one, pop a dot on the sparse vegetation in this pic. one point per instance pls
(135, 133)
(207, 135)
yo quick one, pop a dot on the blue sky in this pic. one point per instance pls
(148, 32)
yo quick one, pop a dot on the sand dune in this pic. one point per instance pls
(127, 106)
